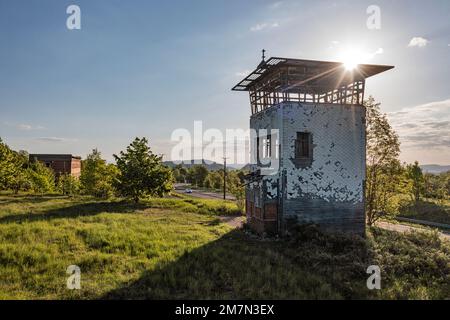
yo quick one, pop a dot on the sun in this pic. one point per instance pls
(351, 58)
(350, 65)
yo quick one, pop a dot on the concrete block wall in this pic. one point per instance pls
(329, 191)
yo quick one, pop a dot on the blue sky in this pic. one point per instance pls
(145, 68)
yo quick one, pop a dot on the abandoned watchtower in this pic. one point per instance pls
(317, 155)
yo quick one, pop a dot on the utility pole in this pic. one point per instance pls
(224, 178)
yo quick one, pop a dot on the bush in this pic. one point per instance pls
(68, 185)
(97, 177)
(40, 178)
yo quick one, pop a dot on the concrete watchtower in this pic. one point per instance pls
(316, 108)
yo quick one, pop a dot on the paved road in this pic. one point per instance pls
(203, 194)
(405, 228)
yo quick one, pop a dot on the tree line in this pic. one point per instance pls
(137, 173)
(199, 176)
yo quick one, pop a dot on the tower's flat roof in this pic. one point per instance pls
(53, 156)
(326, 74)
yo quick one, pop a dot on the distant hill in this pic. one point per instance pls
(210, 165)
(434, 168)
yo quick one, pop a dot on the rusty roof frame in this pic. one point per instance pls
(328, 74)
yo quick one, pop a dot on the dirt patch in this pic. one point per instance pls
(235, 222)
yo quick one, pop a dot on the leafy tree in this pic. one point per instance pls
(142, 172)
(208, 183)
(12, 168)
(217, 179)
(68, 185)
(198, 174)
(180, 173)
(107, 188)
(237, 188)
(96, 176)
(416, 179)
(383, 166)
(41, 178)
(437, 186)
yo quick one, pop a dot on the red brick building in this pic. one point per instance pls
(60, 163)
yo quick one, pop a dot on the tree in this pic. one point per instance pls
(142, 172)
(217, 179)
(68, 185)
(41, 178)
(208, 183)
(383, 166)
(416, 179)
(180, 173)
(235, 185)
(12, 168)
(96, 176)
(198, 174)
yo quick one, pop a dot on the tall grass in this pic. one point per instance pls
(179, 248)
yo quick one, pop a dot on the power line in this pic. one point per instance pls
(224, 178)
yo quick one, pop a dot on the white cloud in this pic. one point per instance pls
(258, 27)
(379, 51)
(54, 139)
(28, 127)
(334, 44)
(418, 42)
(370, 56)
(423, 127)
(243, 73)
(263, 26)
(23, 126)
(276, 4)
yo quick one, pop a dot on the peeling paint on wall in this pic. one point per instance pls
(337, 171)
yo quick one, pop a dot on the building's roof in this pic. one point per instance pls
(54, 156)
(325, 74)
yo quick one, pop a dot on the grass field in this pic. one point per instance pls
(179, 248)
(428, 210)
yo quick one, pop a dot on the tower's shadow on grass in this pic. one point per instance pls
(237, 266)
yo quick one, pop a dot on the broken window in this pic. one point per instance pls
(268, 147)
(302, 145)
(257, 149)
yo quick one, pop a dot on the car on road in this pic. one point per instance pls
(188, 191)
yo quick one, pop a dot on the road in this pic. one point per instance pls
(180, 188)
(406, 228)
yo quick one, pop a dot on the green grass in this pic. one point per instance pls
(179, 248)
(428, 210)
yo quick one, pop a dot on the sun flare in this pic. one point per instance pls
(350, 64)
(352, 57)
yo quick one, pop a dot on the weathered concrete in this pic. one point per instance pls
(327, 191)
